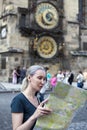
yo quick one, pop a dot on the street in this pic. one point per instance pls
(5, 114)
(79, 121)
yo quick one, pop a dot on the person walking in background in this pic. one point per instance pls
(60, 76)
(80, 80)
(18, 74)
(14, 76)
(66, 76)
(26, 107)
(53, 81)
(48, 76)
(71, 78)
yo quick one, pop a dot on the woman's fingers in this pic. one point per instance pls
(44, 102)
(44, 110)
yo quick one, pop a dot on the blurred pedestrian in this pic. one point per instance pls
(18, 74)
(60, 76)
(26, 107)
(14, 76)
(80, 79)
(48, 76)
(71, 78)
(53, 81)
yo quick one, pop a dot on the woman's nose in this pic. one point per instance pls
(43, 81)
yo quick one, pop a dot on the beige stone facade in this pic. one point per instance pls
(14, 47)
(13, 39)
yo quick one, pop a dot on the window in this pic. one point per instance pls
(22, 20)
(16, 59)
(84, 46)
(3, 63)
(83, 11)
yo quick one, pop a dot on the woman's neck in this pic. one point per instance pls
(29, 92)
(30, 95)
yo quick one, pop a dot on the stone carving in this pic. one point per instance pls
(64, 101)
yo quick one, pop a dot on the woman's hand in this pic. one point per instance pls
(41, 110)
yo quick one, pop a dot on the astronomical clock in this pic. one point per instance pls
(47, 23)
(46, 16)
(44, 20)
(47, 46)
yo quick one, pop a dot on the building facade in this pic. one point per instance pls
(50, 33)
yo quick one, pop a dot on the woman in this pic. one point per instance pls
(14, 76)
(26, 108)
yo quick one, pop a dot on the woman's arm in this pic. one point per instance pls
(17, 119)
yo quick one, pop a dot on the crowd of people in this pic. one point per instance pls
(67, 77)
(61, 76)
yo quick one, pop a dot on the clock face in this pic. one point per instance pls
(46, 47)
(46, 16)
(3, 32)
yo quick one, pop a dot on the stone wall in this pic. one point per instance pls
(71, 38)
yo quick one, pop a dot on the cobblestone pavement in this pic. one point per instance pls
(5, 112)
(2, 87)
(79, 121)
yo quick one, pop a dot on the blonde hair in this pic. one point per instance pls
(30, 72)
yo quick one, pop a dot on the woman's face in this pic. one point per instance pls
(38, 80)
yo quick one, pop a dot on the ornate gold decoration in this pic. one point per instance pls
(35, 43)
(46, 16)
(46, 47)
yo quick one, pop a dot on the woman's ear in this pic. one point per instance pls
(29, 78)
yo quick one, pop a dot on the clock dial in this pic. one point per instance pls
(3, 32)
(46, 47)
(46, 16)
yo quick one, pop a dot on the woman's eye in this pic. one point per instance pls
(39, 77)
(42, 78)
